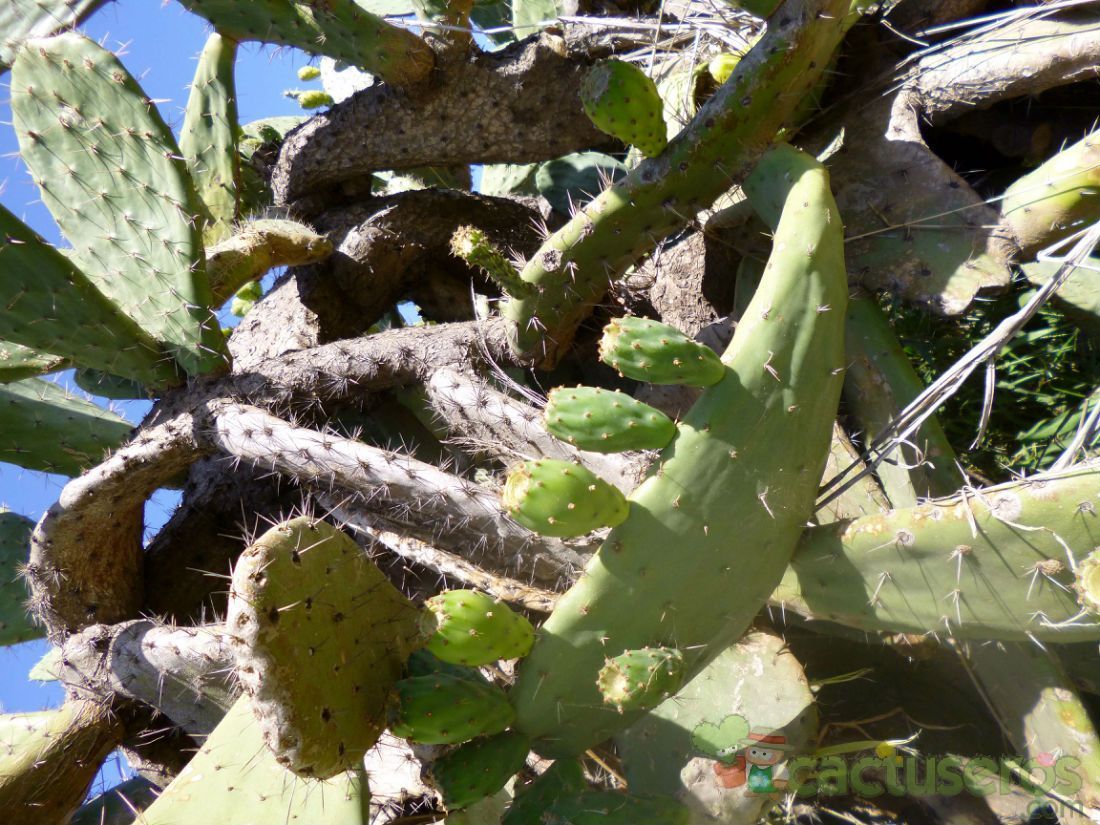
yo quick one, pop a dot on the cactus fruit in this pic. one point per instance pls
(105, 385)
(622, 100)
(722, 66)
(43, 427)
(305, 599)
(50, 306)
(1087, 582)
(209, 137)
(313, 99)
(15, 536)
(986, 564)
(1057, 199)
(245, 298)
(647, 350)
(442, 709)
(467, 627)
(308, 73)
(235, 779)
(711, 530)
(641, 679)
(614, 808)
(606, 421)
(111, 174)
(557, 498)
(474, 247)
(563, 779)
(479, 769)
(341, 29)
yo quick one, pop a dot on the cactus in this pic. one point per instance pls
(574, 267)
(50, 306)
(606, 421)
(105, 385)
(92, 141)
(48, 760)
(312, 98)
(245, 298)
(989, 564)
(1087, 582)
(722, 66)
(613, 808)
(15, 535)
(43, 427)
(723, 510)
(622, 100)
(443, 709)
(235, 779)
(563, 779)
(119, 805)
(646, 350)
(478, 769)
(257, 247)
(557, 498)
(1055, 200)
(305, 599)
(474, 247)
(21, 20)
(466, 627)
(18, 362)
(641, 679)
(341, 29)
(308, 73)
(208, 138)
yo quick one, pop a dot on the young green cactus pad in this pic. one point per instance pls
(208, 138)
(235, 779)
(50, 306)
(305, 599)
(43, 427)
(606, 421)
(313, 98)
(622, 100)
(48, 759)
(557, 498)
(467, 627)
(111, 174)
(1087, 582)
(722, 66)
(648, 350)
(988, 564)
(308, 72)
(641, 679)
(479, 768)
(18, 362)
(563, 779)
(442, 709)
(341, 29)
(1056, 199)
(474, 247)
(245, 298)
(711, 531)
(15, 536)
(614, 808)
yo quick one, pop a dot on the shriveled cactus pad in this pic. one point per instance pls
(321, 636)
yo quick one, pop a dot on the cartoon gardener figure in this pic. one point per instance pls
(743, 757)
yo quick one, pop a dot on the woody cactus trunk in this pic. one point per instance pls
(596, 493)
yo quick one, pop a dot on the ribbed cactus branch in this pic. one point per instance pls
(111, 174)
(208, 138)
(574, 267)
(711, 530)
(341, 29)
(987, 564)
(45, 427)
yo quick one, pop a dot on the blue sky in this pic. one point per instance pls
(159, 44)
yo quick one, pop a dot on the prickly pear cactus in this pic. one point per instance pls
(622, 100)
(614, 808)
(467, 627)
(561, 780)
(443, 709)
(478, 769)
(557, 498)
(15, 623)
(650, 351)
(305, 599)
(234, 778)
(606, 421)
(641, 679)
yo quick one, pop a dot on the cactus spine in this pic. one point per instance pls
(745, 463)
